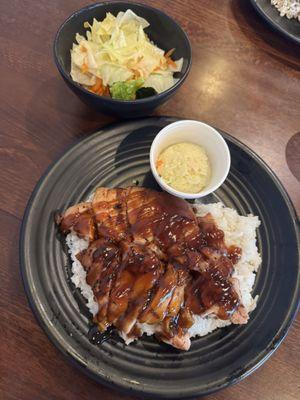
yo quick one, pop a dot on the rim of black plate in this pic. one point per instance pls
(256, 4)
(254, 364)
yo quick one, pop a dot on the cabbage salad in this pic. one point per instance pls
(118, 59)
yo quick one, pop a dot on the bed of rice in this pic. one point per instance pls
(288, 8)
(239, 231)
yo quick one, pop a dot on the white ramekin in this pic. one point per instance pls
(199, 133)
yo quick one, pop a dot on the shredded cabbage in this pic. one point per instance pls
(118, 50)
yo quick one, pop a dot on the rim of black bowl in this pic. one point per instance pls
(109, 99)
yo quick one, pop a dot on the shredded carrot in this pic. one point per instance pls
(99, 88)
(103, 90)
(162, 64)
(97, 85)
(170, 62)
(136, 73)
(156, 69)
(83, 49)
(106, 91)
(169, 53)
(159, 163)
(84, 68)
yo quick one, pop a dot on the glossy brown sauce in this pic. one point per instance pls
(171, 265)
(82, 223)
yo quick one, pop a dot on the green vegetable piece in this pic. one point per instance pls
(143, 92)
(125, 90)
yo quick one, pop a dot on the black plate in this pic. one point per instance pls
(115, 156)
(288, 27)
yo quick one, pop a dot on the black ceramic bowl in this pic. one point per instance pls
(163, 31)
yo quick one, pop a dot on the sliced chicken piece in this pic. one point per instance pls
(88, 256)
(176, 302)
(157, 309)
(140, 212)
(175, 206)
(181, 339)
(212, 289)
(102, 297)
(240, 316)
(170, 325)
(185, 318)
(218, 260)
(151, 261)
(146, 269)
(207, 223)
(109, 207)
(211, 235)
(101, 261)
(120, 293)
(226, 304)
(177, 231)
(195, 261)
(119, 296)
(160, 218)
(190, 259)
(139, 295)
(157, 251)
(181, 342)
(79, 219)
(212, 310)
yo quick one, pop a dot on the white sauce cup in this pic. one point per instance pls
(199, 133)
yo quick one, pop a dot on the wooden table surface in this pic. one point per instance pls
(244, 80)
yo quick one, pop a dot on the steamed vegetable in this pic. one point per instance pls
(117, 50)
(125, 90)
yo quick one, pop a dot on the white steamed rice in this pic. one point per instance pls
(288, 8)
(239, 231)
